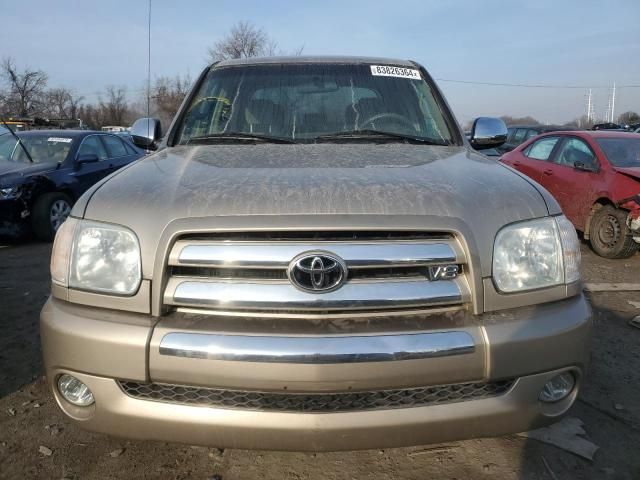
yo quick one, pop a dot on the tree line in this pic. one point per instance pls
(25, 93)
(626, 118)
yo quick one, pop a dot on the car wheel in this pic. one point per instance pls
(49, 212)
(609, 234)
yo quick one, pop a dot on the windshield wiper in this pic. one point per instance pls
(378, 134)
(18, 140)
(241, 136)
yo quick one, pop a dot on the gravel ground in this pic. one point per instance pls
(37, 442)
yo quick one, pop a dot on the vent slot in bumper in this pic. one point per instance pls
(315, 402)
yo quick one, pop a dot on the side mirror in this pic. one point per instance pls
(87, 158)
(582, 167)
(146, 133)
(488, 132)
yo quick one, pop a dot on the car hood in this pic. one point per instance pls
(15, 173)
(390, 180)
(633, 172)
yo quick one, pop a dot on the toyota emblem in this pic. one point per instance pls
(317, 272)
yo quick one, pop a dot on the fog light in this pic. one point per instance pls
(74, 391)
(558, 387)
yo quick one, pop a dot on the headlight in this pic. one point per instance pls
(536, 254)
(61, 253)
(96, 257)
(8, 193)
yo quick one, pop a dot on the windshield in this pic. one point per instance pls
(42, 148)
(622, 152)
(301, 102)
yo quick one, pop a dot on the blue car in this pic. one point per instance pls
(46, 172)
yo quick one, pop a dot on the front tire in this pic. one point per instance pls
(609, 233)
(49, 212)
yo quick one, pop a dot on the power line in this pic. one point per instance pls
(530, 85)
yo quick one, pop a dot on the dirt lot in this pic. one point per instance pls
(609, 406)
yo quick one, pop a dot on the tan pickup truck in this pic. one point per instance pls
(315, 258)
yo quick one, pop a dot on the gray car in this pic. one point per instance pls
(315, 258)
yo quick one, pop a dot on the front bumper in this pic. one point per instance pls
(102, 347)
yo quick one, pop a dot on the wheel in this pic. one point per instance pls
(609, 234)
(49, 212)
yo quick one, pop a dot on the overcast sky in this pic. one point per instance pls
(86, 45)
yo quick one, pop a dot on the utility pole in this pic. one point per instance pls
(590, 112)
(611, 105)
(613, 101)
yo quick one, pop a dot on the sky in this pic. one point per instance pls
(87, 45)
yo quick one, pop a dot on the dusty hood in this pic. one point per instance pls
(242, 180)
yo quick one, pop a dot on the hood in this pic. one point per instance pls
(633, 172)
(315, 179)
(14, 173)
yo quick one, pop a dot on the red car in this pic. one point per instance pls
(595, 176)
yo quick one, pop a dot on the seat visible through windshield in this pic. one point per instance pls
(304, 101)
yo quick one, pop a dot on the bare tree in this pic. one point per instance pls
(114, 110)
(167, 95)
(509, 120)
(628, 118)
(243, 40)
(25, 88)
(90, 115)
(61, 103)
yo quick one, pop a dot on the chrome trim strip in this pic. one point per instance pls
(316, 350)
(279, 255)
(283, 296)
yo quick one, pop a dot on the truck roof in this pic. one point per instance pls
(315, 59)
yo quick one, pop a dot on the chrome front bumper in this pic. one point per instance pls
(316, 350)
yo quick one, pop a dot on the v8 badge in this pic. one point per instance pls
(443, 272)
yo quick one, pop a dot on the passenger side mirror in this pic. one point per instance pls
(488, 132)
(87, 158)
(146, 133)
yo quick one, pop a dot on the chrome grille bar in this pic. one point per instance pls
(284, 296)
(279, 255)
(316, 350)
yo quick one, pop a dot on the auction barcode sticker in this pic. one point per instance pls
(59, 139)
(400, 72)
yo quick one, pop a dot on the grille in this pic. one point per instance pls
(316, 402)
(250, 271)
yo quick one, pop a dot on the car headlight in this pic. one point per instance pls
(9, 193)
(536, 254)
(96, 257)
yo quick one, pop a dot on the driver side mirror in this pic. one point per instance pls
(488, 132)
(146, 133)
(583, 168)
(87, 158)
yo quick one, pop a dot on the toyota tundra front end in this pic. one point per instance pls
(315, 259)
